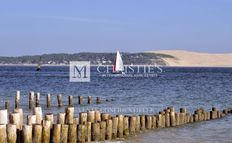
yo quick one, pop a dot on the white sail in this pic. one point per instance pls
(119, 63)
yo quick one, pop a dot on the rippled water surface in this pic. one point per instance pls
(179, 87)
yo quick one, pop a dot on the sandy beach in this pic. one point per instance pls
(196, 59)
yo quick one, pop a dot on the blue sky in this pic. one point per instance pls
(54, 26)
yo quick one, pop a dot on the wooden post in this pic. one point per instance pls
(49, 117)
(182, 118)
(142, 122)
(98, 101)
(159, 122)
(48, 100)
(7, 105)
(70, 101)
(11, 131)
(15, 119)
(72, 135)
(95, 132)
(88, 132)
(17, 98)
(69, 115)
(102, 130)
(167, 119)
(109, 127)
(3, 116)
(132, 124)
(31, 100)
(56, 133)
(105, 116)
(27, 133)
(31, 119)
(120, 125)
(20, 111)
(195, 117)
(37, 100)
(137, 127)
(89, 99)
(148, 122)
(83, 117)
(3, 135)
(76, 120)
(64, 134)
(177, 115)
(173, 119)
(97, 116)
(37, 133)
(91, 116)
(61, 118)
(154, 121)
(114, 127)
(39, 115)
(81, 133)
(59, 100)
(80, 100)
(46, 131)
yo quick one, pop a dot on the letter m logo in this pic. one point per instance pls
(79, 71)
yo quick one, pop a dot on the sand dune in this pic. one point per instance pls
(196, 59)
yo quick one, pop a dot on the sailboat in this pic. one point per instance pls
(118, 67)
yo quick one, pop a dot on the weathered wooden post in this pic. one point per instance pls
(70, 101)
(64, 134)
(177, 115)
(11, 131)
(98, 101)
(59, 100)
(49, 117)
(105, 116)
(97, 116)
(37, 100)
(182, 118)
(91, 116)
(20, 111)
(46, 132)
(102, 130)
(96, 132)
(142, 122)
(167, 119)
(154, 121)
(56, 133)
(39, 115)
(3, 135)
(69, 115)
(15, 119)
(132, 124)
(83, 117)
(120, 125)
(138, 126)
(7, 105)
(195, 117)
(173, 118)
(37, 133)
(114, 127)
(159, 122)
(3, 116)
(89, 99)
(76, 120)
(61, 118)
(48, 100)
(31, 99)
(80, 100)
(27, 133)
(17, 99)
(81, 133)
(109, 128)
(72, 135)
(31, 119)
(148, 122)
(88, 132)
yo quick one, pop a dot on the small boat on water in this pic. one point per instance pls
(118, 67)
(38, 67)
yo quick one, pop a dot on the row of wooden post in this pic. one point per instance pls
(34, 100)
(91, 125)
